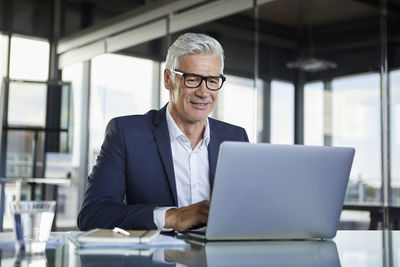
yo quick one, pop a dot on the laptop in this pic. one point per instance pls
(266, 191)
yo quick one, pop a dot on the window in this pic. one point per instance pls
(314, 114)
(37, 67)
(3, 55)
(68, 196)
(26, 107)
(120, 85)
(356, 123)
(24, 154)
(74, 74)
(282, 112)
(26, 99)
(237, 104)
(164, 93)
(24, 150)
(395, 134)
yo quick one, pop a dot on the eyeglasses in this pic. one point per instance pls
(192, 80)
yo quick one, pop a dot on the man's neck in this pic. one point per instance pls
(194, 131)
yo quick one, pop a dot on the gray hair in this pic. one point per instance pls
(193, 43)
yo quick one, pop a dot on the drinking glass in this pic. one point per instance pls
(32, 225)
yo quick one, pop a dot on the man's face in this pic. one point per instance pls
(192, 105)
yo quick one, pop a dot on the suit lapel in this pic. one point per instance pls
(213, 149)
(162, 138)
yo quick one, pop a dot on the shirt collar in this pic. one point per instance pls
(175, 132)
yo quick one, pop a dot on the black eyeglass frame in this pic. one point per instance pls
(203, 78)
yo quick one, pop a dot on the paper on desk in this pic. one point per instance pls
(165, 240)
(160, 241)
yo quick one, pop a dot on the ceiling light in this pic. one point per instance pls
(311, 64)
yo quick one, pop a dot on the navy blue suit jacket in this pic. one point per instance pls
(134, 171)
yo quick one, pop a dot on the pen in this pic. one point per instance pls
(121, 231)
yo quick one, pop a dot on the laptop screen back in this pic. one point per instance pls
(264, 191)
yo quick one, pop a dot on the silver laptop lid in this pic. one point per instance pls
(264, 191)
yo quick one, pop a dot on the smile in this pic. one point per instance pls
(199, 105)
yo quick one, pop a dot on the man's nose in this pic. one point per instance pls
(202, 90)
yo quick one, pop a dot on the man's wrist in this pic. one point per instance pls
(159, 217)
(170, 218)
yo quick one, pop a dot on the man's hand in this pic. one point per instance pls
(189, 217)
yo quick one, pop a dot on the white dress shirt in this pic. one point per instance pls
(191, 169)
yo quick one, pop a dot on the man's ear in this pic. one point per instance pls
(168, 83)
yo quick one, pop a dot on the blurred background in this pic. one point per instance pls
(314, 72)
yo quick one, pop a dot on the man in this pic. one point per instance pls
(157, 170)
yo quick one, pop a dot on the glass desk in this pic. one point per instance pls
(348, 248)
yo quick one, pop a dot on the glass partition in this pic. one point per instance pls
(394, 86)
(238, 103)
(26, 131)
(3, 55)
(330, 56)
(24, 100)
(393, 64)
(24, 153)
(356, 123)
(164, 93)
(120, 85)
(314, 114)
(282, 112)
(37, 51)
(69, 196)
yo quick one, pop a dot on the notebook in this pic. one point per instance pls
(266, 191)
(109, 238)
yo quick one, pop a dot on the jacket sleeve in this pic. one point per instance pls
(104, 200)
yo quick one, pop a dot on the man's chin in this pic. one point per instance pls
(198, 115)
(197, 119)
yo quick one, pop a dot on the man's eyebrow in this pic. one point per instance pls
(217, 76)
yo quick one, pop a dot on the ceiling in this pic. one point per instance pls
(285, 12)
(292, 13)
(347, 31)
(34, 17)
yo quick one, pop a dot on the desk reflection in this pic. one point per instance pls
(273, 253)
(113, 258)
(31, 261)
(259, 253)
